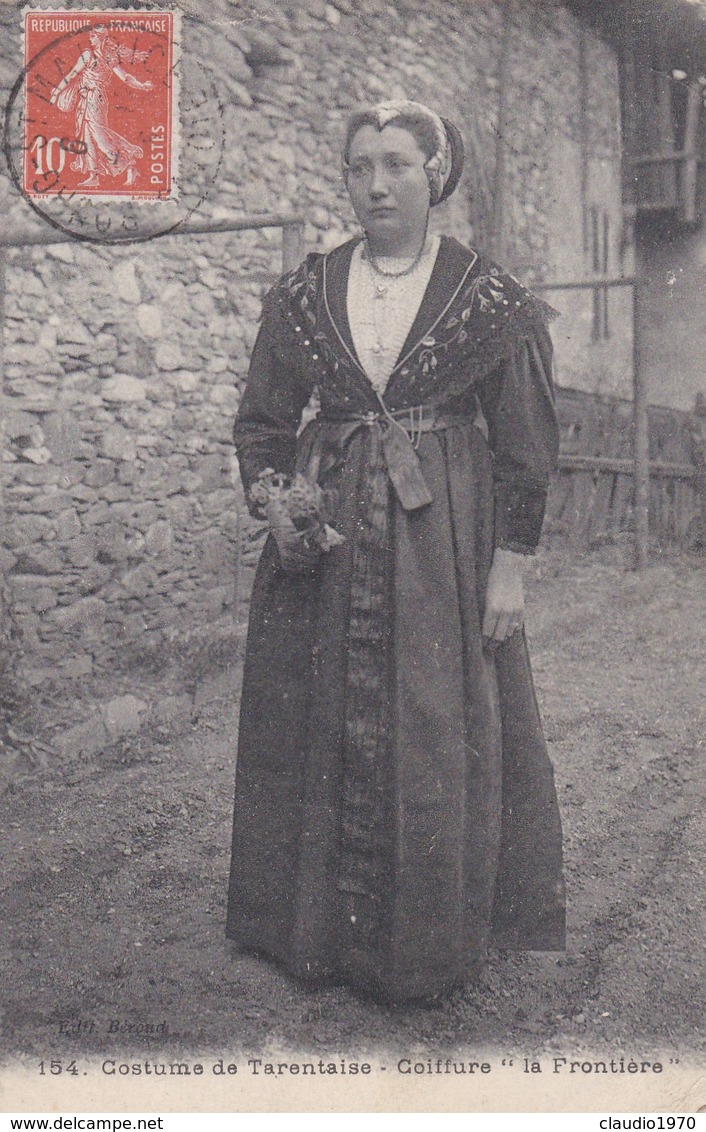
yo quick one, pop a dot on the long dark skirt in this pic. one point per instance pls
(395, 807)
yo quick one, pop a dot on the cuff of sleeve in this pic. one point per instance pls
(519, 514)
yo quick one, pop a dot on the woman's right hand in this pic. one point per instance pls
(295, 554)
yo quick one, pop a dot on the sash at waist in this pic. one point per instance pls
(415, 420)
(329, 434)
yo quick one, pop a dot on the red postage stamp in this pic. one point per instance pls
(101, 104)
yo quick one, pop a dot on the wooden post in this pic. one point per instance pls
(3, 405)
(4, 596)
(663, 177)
(688, 175)
(499, 179)
(698, 457)
(292, 245)
(584, 133)
(642, 439)
(628, 107)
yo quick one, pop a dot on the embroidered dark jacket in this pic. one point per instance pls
(479, 338)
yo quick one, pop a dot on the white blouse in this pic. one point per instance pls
(382, 308)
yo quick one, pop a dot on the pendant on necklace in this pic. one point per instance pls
(378, 270)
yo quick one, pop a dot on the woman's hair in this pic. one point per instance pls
(416, 123)
(438, 139)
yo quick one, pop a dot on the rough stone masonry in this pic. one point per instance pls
(123, 366)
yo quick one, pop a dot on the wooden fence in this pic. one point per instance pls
(593, 495)
(624, 465)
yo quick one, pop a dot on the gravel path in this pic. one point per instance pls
(115, 867)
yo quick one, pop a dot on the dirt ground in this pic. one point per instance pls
(115, 865)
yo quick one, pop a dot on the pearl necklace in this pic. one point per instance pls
(370, 259)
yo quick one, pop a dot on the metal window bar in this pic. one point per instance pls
(604, 292)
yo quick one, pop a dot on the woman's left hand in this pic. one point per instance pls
(505, 596)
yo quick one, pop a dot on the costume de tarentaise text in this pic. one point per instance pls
(395, 805)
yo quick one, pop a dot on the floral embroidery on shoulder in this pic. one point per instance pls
(484, 295)
(487, 291)
(299, 297)
(489, 315)
(302, 287)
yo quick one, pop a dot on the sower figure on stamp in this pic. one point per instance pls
(85, 90)
(395, 808)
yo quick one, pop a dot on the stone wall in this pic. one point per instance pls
(123, 365)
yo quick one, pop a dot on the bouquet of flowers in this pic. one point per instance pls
(298, 513)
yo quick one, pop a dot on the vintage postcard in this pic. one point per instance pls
(353, 429)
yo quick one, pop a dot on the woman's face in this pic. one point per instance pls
(388, 187)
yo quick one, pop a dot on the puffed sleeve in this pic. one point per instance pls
(517, 401)
(270, 411)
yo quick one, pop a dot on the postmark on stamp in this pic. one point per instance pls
(100, 104)
(111, 113)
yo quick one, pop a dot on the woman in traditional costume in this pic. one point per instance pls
(395, 808)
